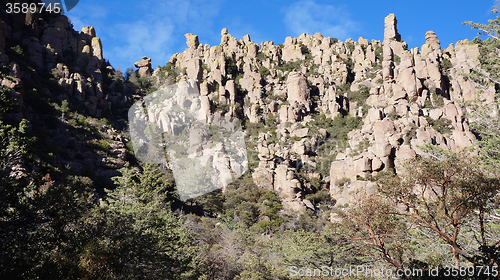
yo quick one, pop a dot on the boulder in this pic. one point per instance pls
(144, 66)
(298, 89)
(192, 40)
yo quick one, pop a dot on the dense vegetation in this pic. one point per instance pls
(65, 222)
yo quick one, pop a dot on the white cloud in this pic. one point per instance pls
(309, 17)
(86, 14)
(154, 30)
(160, 30)
(141, 38)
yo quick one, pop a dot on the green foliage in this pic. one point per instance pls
(397, 59)
(153, 186)
(359, 96)
(350, 46)
(428, 104)
(276, 97)
(231, 67)
(222, 108)
(342, 181)
(271, 120)
(441, 125)
(446, 64)
(492, 29)
(241, 199)
(437, 100)
(322, 196)
(238, 78)
(290, 66)
(263, 71)
(341, 125)
(37, 215)
(104, 145)
(142, 83)
(379, 52)
(64, 107)
(158, 243)
(206, 68)
(261, 56)
(171, 70)
(412, 134)
(18, 50)
(272, 205)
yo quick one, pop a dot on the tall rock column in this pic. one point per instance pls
(392, 37)
(297, 89)
(391, 29)
(388, 64)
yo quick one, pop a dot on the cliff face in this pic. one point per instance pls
(326, 114)
(45, 63)
(319, 114)
(49, 43)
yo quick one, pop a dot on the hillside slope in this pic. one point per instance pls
(320, 113)
(320, 119)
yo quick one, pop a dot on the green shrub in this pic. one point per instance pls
(206, 68)
(272, 205)
(446, 64)
(342, 125)
(322, 196)
(393, 115)
(263, 71)
(359, 96)
(397, 59)
(18, 50)
(261, 56)
(437, 100)
(342, 181)
(171, 70)
(350, 46)
(304, 49)
(104, 145)
(290, 66)
(379, 53)
(238, 78)
(231, 67)
(441, 125)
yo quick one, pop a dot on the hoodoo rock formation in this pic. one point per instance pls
(298, 90)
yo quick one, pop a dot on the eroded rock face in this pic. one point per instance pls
(391, 29)
(144, 66)
(291, 84)
(297, 89)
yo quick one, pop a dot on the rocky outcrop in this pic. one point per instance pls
(294, 92)
(144, 66)
(298, 89)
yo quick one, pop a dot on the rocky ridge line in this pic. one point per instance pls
(408, 99)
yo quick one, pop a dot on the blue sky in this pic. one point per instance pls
(132, 29)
